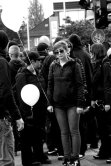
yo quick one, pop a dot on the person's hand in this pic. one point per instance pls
(107, 108)
(93, 103)
(50, 108)
(20, 124)
(79, 110)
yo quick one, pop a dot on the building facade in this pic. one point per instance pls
(68, 8)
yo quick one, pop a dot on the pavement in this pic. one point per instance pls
(88, 160)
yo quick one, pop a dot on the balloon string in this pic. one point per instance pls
(31, 108)
(33, 68)
(43, 91)
(26, 52)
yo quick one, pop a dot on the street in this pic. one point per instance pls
(87, 161)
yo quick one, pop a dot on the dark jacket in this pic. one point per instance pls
(97, 81)
(14, 66)
(37, 114)
(107, 80)
(65, 85)
(86, 61)
(8, 106)
(45, 67)
(79, 52)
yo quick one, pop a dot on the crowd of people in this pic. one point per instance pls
(74, 107)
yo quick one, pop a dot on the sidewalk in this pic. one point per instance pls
(87, 161)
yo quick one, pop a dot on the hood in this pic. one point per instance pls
(16, 64)
(75, 40)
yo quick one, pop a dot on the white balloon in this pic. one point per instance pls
(30, 94)
(12, 13)
(13, 24)
(44, 39)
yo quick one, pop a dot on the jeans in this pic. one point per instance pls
(68, 121)
(6, 144)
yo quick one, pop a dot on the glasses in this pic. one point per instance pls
(11, 54)
(59, 51)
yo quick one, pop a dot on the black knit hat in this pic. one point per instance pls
(3, 40)
(75, 40)
(33, 55)
(42, 47)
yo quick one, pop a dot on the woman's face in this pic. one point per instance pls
(61, 53)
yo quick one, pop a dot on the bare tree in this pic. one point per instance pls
(36, 14)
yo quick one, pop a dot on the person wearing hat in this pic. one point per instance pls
(34, 119)
(8, 108)
(43, 49)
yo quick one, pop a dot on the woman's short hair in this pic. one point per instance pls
(59, 44)
(98, 50)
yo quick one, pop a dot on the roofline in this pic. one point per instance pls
(41, 22)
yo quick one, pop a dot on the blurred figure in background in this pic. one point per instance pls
(23, 56)
(54, 145)
(76, 53)
(15, 64)
(100, 97)
(10, 43)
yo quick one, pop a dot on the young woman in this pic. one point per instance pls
(66, 96)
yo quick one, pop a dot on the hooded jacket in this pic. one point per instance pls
(65, 84)
(37, 114)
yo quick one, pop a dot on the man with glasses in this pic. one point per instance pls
(15, 63)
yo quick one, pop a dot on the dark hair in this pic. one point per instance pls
(98, 50)
(58, 38)
(3, 40)
(32, 55)
(75, 40)
(11, 43)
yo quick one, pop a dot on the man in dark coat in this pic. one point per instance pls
(15, 63)
(8, 108)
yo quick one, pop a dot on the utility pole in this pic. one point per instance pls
(94, 7)
(64, 7)
(28, 34)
